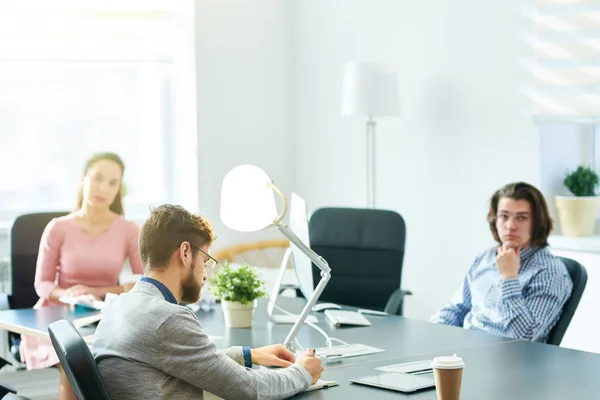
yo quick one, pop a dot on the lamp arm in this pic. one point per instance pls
(314, 257)
(325, 276)
(283, 202)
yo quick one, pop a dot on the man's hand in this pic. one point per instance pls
(273, 356)
(508, 262)
(312, 364)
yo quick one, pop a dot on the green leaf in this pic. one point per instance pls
(582, 182)
(242, 284)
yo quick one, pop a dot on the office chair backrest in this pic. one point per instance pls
(365, 250)
(77, 361)
(578, 275)
(25, 236)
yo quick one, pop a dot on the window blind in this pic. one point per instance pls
(565, 63)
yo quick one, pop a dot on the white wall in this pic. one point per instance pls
(463, 133)
(244, 65)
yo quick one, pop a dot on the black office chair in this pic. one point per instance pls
(25, 236)
(77, 361)
(365, 250)
(578, 275)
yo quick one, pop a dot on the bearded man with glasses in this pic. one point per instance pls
(148, 346)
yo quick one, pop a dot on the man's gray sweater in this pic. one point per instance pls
(149, 348)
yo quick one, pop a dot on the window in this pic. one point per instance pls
(565, 76)
(565, 73)
(565, 43)
(82, 77)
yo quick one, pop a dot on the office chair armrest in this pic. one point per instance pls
(4, 362)
(5, 389)
(395, 304)
(4, 302)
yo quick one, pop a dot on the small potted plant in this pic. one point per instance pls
(238, 290)
(577, 214)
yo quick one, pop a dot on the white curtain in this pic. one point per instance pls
(81, 76)
(97, 30)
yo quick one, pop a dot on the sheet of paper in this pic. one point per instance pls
(347, 350)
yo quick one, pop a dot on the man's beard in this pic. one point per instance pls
(190, 288)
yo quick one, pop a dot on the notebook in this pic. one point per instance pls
(321, 384)
(343, 317)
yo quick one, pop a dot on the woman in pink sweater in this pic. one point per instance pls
(84, 253)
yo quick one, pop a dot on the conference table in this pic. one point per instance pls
(495, 367)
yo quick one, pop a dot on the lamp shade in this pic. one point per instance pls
(247, 201)
(371, 89)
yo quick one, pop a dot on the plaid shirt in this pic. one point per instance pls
(526, 307)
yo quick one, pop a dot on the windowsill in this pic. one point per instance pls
(589, 244)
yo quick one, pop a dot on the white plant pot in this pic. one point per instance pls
(577, 215)
(238, 315)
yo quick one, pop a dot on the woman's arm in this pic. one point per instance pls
(98, 292)
(133, 251)
(48, 262)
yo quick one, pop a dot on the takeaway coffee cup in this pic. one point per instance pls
(447, 372)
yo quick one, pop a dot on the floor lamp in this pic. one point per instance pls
(371, 90)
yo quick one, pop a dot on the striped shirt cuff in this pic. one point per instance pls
(247, 356)
(510, 288)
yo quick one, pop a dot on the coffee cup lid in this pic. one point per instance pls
(448, 362)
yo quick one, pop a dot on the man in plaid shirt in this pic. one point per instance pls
(518, 288)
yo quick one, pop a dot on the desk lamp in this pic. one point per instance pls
(248, 205)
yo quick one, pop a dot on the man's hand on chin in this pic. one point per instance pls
(273, 356)
(508, 262)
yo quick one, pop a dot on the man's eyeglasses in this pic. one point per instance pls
(519, 218)
(211, 263)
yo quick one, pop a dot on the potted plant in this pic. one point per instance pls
(577, 214)
(238, 289)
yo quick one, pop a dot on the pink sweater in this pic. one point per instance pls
(68, 256)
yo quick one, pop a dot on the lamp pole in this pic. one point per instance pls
(371, 162)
